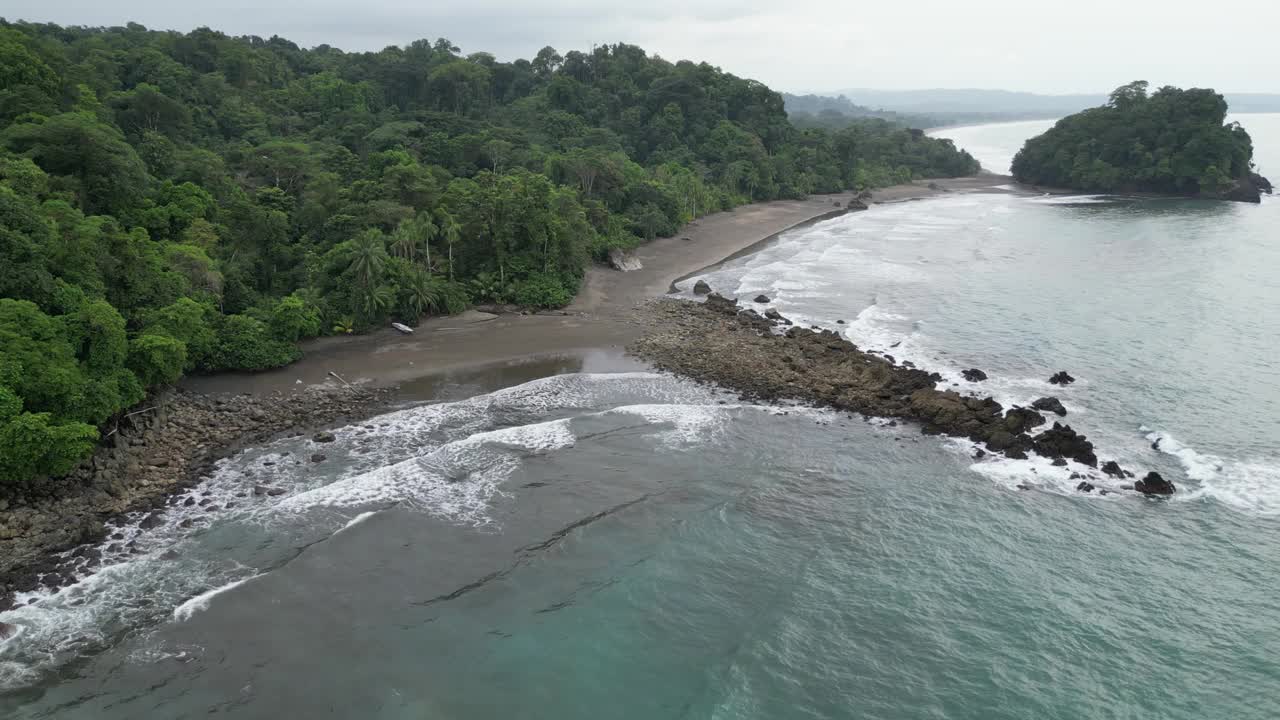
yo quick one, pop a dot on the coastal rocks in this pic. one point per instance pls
(701, 288)
(318, 457)
(323, 437)
(776, 316)
(1061, 378)
(1050, 404)
(1061, 441)
(763, 299)
(858, 204)
(1153, 484)
(721, 304)
(1112, 468)
(974, 375)
(624, 261)
(1020, 420)
(1261, 183)
(148, 462)
(1086, 487)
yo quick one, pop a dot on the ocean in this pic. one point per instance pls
(561, 542)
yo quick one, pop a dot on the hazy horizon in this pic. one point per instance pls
(815, 47)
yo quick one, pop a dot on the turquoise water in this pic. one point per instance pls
(628, 545)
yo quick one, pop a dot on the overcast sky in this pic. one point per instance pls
(804, 45)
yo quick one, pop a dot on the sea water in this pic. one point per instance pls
(632, 545)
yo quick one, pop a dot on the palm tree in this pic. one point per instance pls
(422, 295)
(369, 257)
(375, 301)
(427, 230)
(451, 232)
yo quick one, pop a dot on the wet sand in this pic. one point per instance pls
(601, 321)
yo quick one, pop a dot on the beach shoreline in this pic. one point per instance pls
(606, 315)
(352, 377)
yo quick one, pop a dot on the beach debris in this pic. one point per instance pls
(1061, 378)
(1153, 484)
(405, 329)
(339, 379)
(701, 288)
(763, 299)
(1050, 404)
(624, 261)
(974, 375)
(323, 437)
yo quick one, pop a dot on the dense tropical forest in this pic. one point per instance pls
(1172, 141)
(174, 203)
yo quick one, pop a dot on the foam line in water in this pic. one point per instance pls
(201, 602)
(1251, 486)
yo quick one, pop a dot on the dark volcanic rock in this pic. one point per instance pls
(1050, 404)
(763, 299)
(1153, 484)
(701, 288)
(1112, 468)
(774, 315)
(1261, 183)
(1020, 420)
(1085, 487)
(974, 375)
(722, 304)
(151, 521)
(274, 492)
(323, 437)
(318, 457)
(1059, 462)
(1061, 378)
(1061, 441)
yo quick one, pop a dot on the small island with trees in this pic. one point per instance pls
(1171, 142)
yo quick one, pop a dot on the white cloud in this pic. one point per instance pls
(1086, 46)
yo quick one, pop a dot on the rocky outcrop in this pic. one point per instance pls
(1061, 441)
(1050, 404)
(701, 288)
(974, 375)
(718, 341)
(1061, 378)
(1153, 484)
(763, 299)
(1112, 468)
(147, 458)
(624, 261)
(1020, 420)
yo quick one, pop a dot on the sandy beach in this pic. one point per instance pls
(594, 329)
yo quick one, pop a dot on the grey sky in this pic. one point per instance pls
(1055, 47)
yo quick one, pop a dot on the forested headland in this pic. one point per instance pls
(174, 203)
(1170, 142)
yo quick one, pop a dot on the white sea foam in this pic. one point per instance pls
(692, 423)
(200, 602)
(1248, 485)
(447, 459)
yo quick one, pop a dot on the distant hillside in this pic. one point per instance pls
(973, 101)
(839, 111)
(1024, 104)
